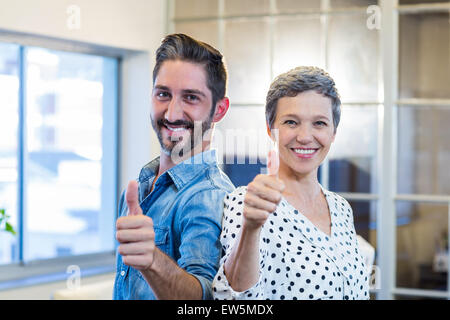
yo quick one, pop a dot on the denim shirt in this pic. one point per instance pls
(186, 205)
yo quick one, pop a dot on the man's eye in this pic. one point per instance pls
(162, 94)
(320, 123)
(192, 97)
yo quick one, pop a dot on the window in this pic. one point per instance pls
(9, 123)
(423, 149)
(58, 170)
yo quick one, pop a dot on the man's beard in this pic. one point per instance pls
(181, 147)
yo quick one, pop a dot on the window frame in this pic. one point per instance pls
(26, 273)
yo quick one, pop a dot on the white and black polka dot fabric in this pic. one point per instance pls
(297, 260)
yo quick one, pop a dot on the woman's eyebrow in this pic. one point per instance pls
(293, 115)
(322, 117)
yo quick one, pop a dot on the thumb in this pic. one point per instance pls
(273, 163)
(132, 199)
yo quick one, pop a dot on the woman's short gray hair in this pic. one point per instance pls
(298, 80)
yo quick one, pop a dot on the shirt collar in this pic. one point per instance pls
(183, 172)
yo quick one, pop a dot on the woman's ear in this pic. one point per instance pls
(273, 133)
(221, 109)
(268, 129)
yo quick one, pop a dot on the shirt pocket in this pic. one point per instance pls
(161, 242)
(162, 238)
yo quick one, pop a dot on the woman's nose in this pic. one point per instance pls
(304, 134)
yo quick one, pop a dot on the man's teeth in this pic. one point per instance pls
(305, 151)
(176, 129)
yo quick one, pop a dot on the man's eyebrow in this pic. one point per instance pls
(161, 87)
(194, 91)
(185, 91)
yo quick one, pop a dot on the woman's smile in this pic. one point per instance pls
(305, 153)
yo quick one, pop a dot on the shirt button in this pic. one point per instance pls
(122, 273)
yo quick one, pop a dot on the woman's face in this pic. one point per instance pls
(305, 131)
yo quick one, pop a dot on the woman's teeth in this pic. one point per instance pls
(304, 151)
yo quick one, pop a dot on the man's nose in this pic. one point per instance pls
(174, 111)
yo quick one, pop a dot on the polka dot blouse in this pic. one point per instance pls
(297, 260)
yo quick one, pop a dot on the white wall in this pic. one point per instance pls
(136, 26)
(131, 24)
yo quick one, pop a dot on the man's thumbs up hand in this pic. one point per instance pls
(135, 233)
(132, 198)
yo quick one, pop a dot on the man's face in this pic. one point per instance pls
(180, 100)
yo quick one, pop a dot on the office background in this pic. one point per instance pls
(75, 80)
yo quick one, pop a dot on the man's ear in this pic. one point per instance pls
(221, 109)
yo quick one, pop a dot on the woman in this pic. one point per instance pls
(284, 235)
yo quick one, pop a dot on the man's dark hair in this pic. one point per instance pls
(182, 47)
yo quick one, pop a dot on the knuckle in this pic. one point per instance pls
(149, 235)
(278, 197)
(119, 223)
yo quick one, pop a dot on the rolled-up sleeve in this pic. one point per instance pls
(200, 226)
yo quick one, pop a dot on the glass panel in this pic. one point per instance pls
(297, 42)
(352, 3)
(9, 119)
(290, 6)
(365, 219)
(423, 150)
(247, 55)
(353, 58)
(65, 100)
(242, 143)
(424, 49)
(206, 31)
(249, 7)
(353, 155)
(422, 245)
(196, 8)
(401, 2)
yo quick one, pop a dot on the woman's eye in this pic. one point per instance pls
(290, 122)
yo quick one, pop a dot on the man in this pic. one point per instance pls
(170, 220)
